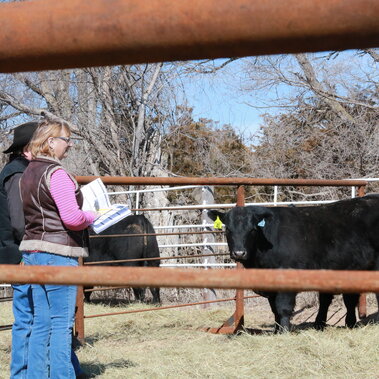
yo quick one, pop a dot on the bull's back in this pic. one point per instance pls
(340, 235)
(134, 245)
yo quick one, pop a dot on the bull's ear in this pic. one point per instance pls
(213, 214)
(260, 215)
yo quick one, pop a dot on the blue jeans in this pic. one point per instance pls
(51, 336)
(21, 329)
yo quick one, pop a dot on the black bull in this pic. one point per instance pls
(119, 248)
(339, 236)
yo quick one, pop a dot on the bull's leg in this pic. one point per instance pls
(87, 295)
(325, 300)
(376, 268)
(351, 302)
(377, 295)
(139, 294)
(285, 303)
(156, 296)
(272, 301)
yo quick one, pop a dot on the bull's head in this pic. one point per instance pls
(242, 228)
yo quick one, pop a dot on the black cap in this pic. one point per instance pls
(22, 134)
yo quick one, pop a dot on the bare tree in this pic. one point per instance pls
(327, 126)
(118, 111)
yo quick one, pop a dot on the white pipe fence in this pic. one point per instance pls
(275, 202)
(196, 244)
(198, 265)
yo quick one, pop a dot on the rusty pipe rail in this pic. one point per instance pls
(264, 280)
(117, 261)
(169, 307)
(5, 327)
(44, 34)
(213, 181)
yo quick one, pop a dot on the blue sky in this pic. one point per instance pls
(216, 102)
(218, 98)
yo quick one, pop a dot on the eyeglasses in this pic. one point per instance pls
(66, 139)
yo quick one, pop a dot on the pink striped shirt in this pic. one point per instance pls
(62, 189)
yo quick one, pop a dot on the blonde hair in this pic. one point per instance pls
(39, 144)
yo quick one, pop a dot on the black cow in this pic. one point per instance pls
(338, 236)
(119, 248)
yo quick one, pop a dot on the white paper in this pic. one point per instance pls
(114, 215)
(96, 197)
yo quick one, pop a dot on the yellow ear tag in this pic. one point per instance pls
(217, 224)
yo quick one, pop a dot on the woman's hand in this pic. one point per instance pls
(95, 214)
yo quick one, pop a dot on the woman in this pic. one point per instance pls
(55, 235)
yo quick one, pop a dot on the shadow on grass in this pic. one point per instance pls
(255, 331)
(268, 329)
(94, 370)
(112, 302)
(370, 319)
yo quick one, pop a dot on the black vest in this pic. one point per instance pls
(9, 252)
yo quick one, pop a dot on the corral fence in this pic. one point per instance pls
(235, 322)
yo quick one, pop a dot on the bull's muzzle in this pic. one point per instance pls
(239, 255)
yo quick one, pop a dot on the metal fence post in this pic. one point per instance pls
(236, 321)
(239, 313)
(362, 304)
(79, 316)
(207, 197)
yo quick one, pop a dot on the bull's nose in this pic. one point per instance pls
(240, 254)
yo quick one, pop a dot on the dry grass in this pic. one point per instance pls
(170, 344)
